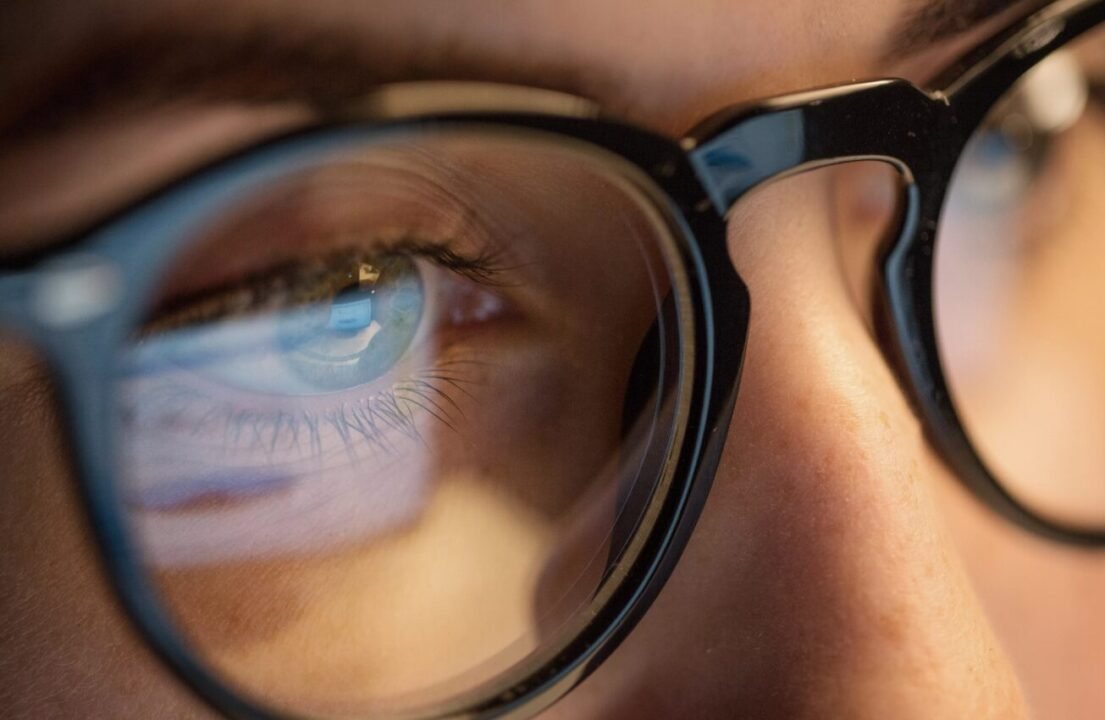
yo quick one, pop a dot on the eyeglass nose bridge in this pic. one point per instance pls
(743, 147)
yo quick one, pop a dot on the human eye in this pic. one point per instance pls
(1017, 286)
(392, 389)
(347, 350)
(322, 324)
(314, 326)
(1019, 162)
(303, 343)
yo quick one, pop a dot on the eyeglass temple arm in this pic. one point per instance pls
(742, 147)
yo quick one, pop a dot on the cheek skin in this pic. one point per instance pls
(499, 494)
(66, 647)
(262, 621)
(1044, 601)
(820, 581)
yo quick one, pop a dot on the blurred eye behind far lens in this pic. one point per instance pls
(1020, 285)
(392, 421)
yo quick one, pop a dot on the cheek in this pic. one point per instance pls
(67, 650)
(549, 422)
(1044, 600)
(499, 546)
(819, 580)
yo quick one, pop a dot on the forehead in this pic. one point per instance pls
(101, 100)
(657, 60)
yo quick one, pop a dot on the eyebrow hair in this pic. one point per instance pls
(324, 66)
(932, 21)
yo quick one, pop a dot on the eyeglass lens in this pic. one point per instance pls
(391, 420)
(1020, 287)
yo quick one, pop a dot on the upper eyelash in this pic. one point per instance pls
(258, 290)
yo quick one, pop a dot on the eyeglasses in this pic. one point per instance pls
(411, 414)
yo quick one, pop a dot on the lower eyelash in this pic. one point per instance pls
(377, 420)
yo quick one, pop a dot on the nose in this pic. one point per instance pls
(820, 581)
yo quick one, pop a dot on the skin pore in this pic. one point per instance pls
(838, 569)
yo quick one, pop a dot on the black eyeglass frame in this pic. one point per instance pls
(699, 179)
(922, 134)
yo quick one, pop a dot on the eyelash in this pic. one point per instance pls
(483, 268)
(375, 420)
(370, 418)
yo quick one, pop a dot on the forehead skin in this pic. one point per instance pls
(655, 62)
(651, 59)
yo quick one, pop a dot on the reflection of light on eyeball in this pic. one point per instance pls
(351, 315)
(341, 348)
(352, 309)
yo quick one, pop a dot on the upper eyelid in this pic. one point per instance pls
(479, 268)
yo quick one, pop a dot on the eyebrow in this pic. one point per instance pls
(323, 67)
(327, 67)
(932, 21)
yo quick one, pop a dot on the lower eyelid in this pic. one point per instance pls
(453, 309)
(248, 447)
(459, 318)
(177, 416)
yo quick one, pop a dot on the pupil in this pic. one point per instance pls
(362, 330)
(351, 310)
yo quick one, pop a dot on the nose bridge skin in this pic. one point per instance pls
(922, 134)
(821, 547)
(847, 565)
(819, 582)
(847, 598)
